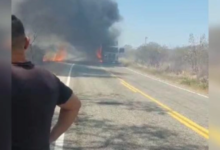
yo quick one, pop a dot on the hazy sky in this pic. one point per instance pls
(167, 22)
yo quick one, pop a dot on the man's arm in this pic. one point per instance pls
(69, 107)
(68, 113)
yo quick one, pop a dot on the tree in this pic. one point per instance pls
(193, 54)
(128, 48)
(203, 56)
(152, 54)
(191, 59)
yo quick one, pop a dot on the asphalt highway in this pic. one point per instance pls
(123, 109)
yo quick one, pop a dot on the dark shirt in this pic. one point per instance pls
(35, 93)
(5, 106)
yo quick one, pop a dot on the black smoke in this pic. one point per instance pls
(85, 24)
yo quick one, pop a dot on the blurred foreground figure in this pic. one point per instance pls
(36, 92)
(5, 104)
(5, 79)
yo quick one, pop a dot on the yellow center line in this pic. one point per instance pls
(191, 122)
(187, 122)
(129, 87)
(189, 126)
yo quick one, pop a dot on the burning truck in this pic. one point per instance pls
(109, 54)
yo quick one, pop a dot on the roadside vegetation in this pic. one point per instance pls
(186, 65)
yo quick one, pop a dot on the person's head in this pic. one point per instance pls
(19, 40)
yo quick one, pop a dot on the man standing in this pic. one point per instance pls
(35, 94)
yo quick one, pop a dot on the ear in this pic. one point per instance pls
(27, 43)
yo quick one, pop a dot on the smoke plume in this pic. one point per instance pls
(84, 24)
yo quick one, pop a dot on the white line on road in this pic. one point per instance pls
(69, 76)
(166, 83)
(59, 142)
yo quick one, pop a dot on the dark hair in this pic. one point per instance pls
(17, 27)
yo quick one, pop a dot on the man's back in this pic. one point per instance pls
(35, 92)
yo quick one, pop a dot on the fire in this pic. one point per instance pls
(58, 56)
(61, 54)
(99, 54)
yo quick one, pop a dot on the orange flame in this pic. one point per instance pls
(58, 56)
(61, 54)
(99, 54)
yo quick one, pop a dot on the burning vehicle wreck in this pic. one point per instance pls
(109, 54)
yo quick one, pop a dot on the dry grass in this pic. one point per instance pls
(185, 80)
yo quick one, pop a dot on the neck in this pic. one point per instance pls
(18, 56)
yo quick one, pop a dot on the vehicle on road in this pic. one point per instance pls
(109, 54)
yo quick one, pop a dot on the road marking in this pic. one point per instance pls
(185, 121)
(205, 135)
(130, 88)
(156, 79)
(59, 142)
(191, 122)
(69, 75)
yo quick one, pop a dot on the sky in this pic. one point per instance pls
(167, 22)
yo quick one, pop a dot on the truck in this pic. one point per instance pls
(110, 54)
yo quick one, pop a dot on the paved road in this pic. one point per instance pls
(122, 110)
